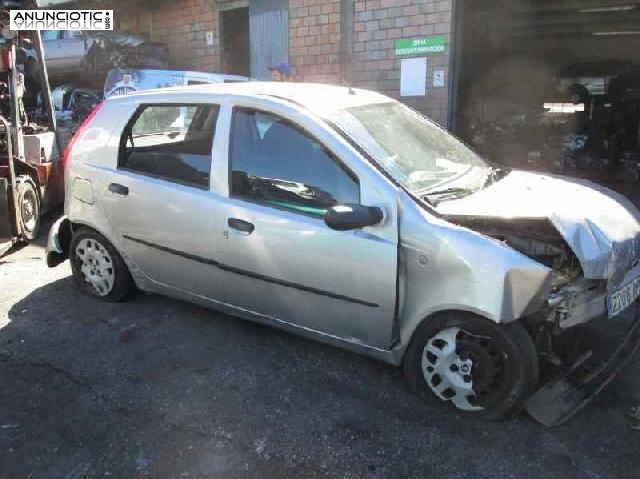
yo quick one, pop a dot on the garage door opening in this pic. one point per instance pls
(235, 41)
(551, 85)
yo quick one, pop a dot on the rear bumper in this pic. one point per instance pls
(58, 242)
(571, 390)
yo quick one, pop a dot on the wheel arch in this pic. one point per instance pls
(137, 275)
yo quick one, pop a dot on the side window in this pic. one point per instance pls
(172, 142)
(71, 34)
(197, 82)
(276, 162)
(49, 35)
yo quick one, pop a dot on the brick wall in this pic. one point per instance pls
(377, 24)
(314, 40)
(183, 26)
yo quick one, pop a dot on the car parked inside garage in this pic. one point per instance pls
(345, 216)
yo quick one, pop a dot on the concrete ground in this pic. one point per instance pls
(161, 388)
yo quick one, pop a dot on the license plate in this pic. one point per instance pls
(623, 298)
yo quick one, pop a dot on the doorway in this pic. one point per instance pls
(235, 41)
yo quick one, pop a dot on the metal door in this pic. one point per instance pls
(269, 35)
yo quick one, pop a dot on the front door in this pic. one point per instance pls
(52, 45)
(72, 50)
(159, 201)
(281, 259)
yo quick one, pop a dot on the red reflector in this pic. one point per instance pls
(74, 138)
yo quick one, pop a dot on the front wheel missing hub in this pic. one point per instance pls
(472, 363)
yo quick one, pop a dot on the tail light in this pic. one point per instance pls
(76, 135)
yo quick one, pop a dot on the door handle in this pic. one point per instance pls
(241, 225)
(118, 189)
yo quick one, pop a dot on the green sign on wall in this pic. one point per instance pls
(420, 46)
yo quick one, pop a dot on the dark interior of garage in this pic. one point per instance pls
(551, 85)
(234, 26)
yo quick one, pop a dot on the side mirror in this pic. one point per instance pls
(352, 217)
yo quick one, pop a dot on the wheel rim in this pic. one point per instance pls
(29, 211)
(96, 265)
(469, 370)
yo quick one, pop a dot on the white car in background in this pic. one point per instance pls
(123, 81)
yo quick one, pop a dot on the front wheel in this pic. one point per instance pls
(472, 363)
(28, 208)
(98, 268)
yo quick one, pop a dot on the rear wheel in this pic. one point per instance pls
(98, 268)
(476, 365)
(28, 207)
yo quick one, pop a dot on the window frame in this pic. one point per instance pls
(124, 136)
(303, 131)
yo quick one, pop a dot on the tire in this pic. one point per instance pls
(29, 207)
(98, 268)
(497, 363)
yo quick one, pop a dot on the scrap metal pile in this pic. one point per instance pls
(585, 134)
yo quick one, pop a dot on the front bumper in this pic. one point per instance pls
(617, 341)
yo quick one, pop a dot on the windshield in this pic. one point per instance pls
(414, 151)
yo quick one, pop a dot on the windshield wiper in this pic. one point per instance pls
(495, 174)
(454, 190)
(436, 196)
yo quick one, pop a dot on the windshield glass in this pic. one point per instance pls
(414, 151)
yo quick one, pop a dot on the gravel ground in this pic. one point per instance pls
(160, 388)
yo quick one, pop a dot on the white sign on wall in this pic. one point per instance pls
(413, 76)
(438, 79)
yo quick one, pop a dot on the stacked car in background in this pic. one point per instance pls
(78, 62)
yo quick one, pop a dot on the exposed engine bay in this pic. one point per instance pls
(573, 299)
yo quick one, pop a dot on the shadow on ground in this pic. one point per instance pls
(161, 388)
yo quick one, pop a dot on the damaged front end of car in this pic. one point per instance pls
(582, 342)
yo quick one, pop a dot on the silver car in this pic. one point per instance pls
(75, 51)
(342, 215)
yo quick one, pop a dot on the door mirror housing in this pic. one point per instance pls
(352, 217)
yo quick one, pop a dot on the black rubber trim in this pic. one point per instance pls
(242, 272)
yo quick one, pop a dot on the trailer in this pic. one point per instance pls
(31, 166)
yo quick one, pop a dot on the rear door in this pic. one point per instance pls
(159, 201)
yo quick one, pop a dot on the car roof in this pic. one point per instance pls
(315, 97)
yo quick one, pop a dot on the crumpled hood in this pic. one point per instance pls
(600, 226)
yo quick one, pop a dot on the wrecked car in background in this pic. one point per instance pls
(73, 103)
(344, 216)
(76, 51)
